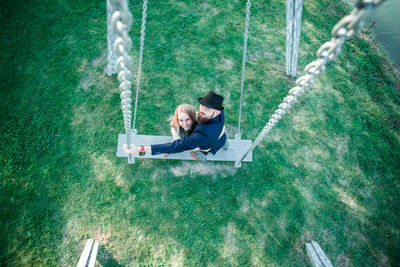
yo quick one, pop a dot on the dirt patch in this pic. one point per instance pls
(351, 202)
(204, 169)
(254, 55)
(307, 157)
(228, 64)
(230, 247)
(86, 82)
(205, 5)
(157, 175)
(101, 236)
(343, 260)
(101, 60)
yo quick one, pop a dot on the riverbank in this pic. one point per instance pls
(387, 63)
(386, 29)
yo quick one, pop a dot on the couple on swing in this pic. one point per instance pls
(200, 135)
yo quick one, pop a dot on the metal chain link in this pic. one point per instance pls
(346, 28)
(121, 21)
(246, 37)
(122, 6)
(142, 34)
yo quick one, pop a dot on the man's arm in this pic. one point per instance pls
(187, 143)
(136, 149)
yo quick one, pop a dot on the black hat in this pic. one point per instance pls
(212, 100)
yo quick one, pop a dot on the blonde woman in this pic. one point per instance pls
(183, 122)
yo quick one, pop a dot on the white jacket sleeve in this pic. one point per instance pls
(175, 134)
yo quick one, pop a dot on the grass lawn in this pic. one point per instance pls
(329, 171)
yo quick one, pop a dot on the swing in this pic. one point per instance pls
(119, 20)
(119, 45)
(236, 149)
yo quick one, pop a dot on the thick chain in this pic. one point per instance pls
(346, 28)
(142, 33)
(246, 37)
(121, 21)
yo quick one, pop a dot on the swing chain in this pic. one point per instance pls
(122, 6)
(121, 21)
(246, 37)
(346, 28)
(142, 34)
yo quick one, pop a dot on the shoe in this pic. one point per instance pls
(198, 155)
(226, 145)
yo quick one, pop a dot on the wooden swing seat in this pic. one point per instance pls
(237, 148)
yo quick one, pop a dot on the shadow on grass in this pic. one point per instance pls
(105, 258)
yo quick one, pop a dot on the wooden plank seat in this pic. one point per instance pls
(89, 254)
(317, 255)
(234, 152)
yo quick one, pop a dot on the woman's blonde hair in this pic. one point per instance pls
(184, 108)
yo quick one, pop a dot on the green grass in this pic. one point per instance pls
(329, 171)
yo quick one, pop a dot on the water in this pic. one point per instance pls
(387, 28)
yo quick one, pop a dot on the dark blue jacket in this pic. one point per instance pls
(206, 136)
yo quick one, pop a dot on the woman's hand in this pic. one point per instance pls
(133, 150)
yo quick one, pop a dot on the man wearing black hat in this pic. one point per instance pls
(208, 136)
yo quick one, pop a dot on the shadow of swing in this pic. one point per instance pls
(105, 258)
